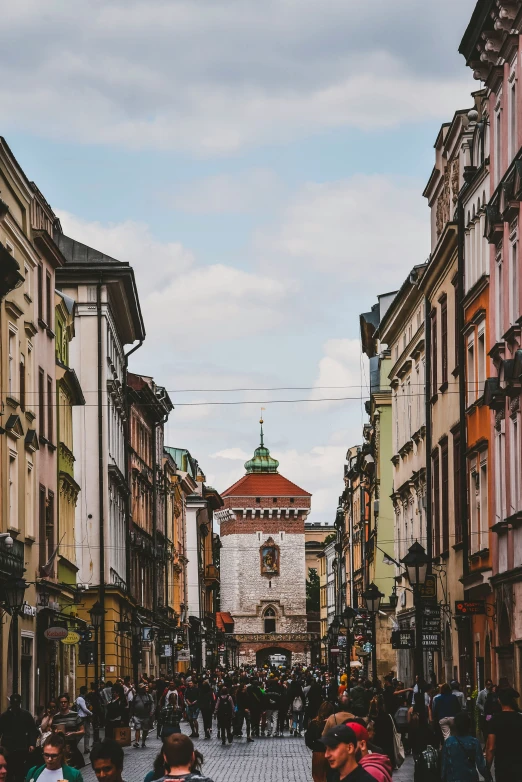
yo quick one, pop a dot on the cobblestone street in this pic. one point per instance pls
(266, 760)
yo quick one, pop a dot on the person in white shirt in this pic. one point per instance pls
(85, 713)
(455, 690)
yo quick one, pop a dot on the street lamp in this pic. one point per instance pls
(96, 613)
(136, 632)
(416, 563)
(372, 597)
(13, 596)
(348, 617)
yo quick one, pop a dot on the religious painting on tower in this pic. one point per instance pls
(269, 558)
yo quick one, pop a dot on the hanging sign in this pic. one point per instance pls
(403, 639)
(71, 638)
(466, 607)
(428, 590)
(430, 640)
(56, 633)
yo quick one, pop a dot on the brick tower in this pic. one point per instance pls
(263, 575)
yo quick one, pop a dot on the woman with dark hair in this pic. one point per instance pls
(462, 753)
(419, 732)
(504, 744)
(312, 736)
(297, 704)
(383, 726)
(207, 703)
(117, 711)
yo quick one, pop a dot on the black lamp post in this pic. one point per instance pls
(372, 597)
(96, 614)
(14, 594)
(136, 632)
(348, 618)
(334, 630)
(416, 563)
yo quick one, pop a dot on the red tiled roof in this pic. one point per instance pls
(266, 484)
(224, 621)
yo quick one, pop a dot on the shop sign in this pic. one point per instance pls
(430, 640)
(467, 607)
(431, 618)
(428, 590)
(334, 651)
(147, 634)
(28, 610)
(167, 650)
(56, 633)
(403, 639)
(184, 655)
(71, 638)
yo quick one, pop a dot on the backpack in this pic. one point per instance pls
(427, 765)
(401, 716)
(225, 708)
(297, 704)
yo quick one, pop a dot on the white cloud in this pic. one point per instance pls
(216, 75)
(245, 192)
(234, 454)
(340, 372)
(155, 263)
(366, 230)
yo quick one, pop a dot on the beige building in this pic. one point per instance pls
(402, 330)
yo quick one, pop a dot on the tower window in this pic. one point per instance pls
(270, 620)
(258, 499)
(291, 499)
(275, 499)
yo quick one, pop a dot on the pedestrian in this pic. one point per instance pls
(445, 707)
(256, 699)
(383, 727)
(224, 714)
(375, 763)
(455, 690)
(297, 701)
(504, 744)
(142, 711)
(272, 705)
(192, 708)
(69, 722)
(3, 765)
(480, 704)
(341, 754)
(401, 720)
(314, 700)
(206, 703)
(170, 717)
(117, 711)
(462, 756)
(46, 724)
(54, 767)
(419, 732)
(85, 713)
(107, 761)
(98, 714)
(242, 712)
(18, 735)
(180, 760)
(360, 697)
(312, 736)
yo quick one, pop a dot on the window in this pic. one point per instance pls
(513, 111)
(21, 382)
(434, 352)
(514, 448)
(470, 370)
(48, 299)
(436, 504)
(481, 358)
(444, 339)
(444, 495)
(456, 323)
(50, 411)
(474, 488)
(270, 620)
(29, 375)
(41, 403)
(500, 462)
(28, 281)
(274, 499)
(42, 507)
(499, 295)
(258, 499)
(292, 499)
(498, 139)
(29, 499)
(12, 362)
(49, 526)
(483, 503)
(456, 488)
(13, 490)
(40, 293)
(513, 278)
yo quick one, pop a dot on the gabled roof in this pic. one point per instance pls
(264, 485)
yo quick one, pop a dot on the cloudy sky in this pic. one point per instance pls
(261, 166)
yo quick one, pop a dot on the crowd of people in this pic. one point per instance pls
(357, 731)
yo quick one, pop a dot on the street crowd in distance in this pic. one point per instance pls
(356, 730)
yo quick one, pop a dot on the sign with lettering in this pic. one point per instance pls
(403, 639)
(428, 590)
(431, 618)
(430, 640)
(467, 607)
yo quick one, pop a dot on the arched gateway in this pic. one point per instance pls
(263, 576)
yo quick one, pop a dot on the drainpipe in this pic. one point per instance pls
(126, 445)
(363, 527)
(352, 560)
(427, 387)
(101, 471)
(462, 386)
(154, 520)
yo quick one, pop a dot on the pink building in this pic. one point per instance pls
(492, 48)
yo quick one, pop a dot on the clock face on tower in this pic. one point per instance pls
(269, 553)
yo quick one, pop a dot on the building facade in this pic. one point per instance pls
(262, 528)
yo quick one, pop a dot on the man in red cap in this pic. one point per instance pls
(377, 765)
(340, 753)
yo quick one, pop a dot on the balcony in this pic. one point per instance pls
(12, 560)
(211, 575)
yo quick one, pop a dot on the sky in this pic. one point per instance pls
(261, 166)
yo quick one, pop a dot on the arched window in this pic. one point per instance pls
(270, 620)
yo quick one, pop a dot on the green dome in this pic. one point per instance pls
(261, 461)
